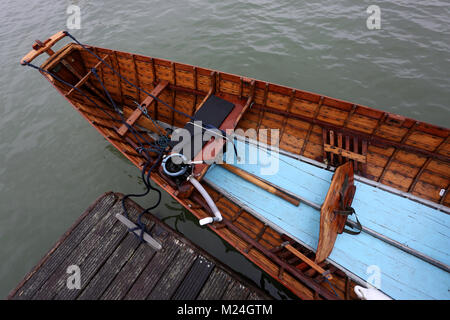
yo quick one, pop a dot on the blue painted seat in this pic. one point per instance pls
(420, 227)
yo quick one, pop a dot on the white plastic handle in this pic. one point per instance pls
(206, 221)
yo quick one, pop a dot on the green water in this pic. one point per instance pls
(53, 164)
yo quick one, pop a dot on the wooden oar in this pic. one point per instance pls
(263, 184)
(308, 261)
(352, 224)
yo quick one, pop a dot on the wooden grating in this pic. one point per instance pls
(339, 149)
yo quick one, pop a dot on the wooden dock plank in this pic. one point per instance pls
(110, 269)
(122, 254)
(153, 272)
(216, 285)
(133, 268)
(68, 242)
(235, 291)
(124, 280)
(174, 275)
(91, 252)
(195, 279)
(114, 264)
(255, 296)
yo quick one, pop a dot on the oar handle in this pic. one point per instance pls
(287, 197)
(41, 47)
(260, 183)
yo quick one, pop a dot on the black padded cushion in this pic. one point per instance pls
(213, 112)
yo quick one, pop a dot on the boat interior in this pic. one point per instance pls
(400, 166)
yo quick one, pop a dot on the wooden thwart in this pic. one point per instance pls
(210, 92)
(138, 112)
(86, 77)
(143, 121)
(230, 122)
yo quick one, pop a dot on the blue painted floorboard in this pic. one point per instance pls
(403, 276)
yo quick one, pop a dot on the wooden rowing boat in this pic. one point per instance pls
(393, 155)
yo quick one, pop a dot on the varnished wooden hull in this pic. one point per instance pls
(405, 154)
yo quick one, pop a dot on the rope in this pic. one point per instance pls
(145, 113)
(331, 286)
(209, 126)
(159, 148)
(205, 126)
(137, 134)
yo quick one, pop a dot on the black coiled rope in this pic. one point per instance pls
(159, 147)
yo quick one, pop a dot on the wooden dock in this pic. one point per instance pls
(114, 264)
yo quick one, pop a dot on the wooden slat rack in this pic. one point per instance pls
(339, 148)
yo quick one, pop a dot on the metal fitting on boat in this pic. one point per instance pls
(172, 168)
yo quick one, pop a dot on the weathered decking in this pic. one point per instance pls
(114, 264)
